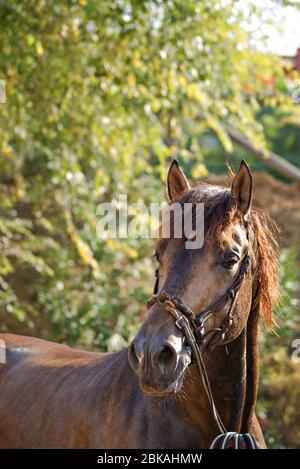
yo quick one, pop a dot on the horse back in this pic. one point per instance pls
(46, 393)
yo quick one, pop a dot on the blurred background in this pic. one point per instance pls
(95, 98)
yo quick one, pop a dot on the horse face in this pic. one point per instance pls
(159, 354)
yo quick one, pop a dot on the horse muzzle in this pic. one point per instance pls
(160, 367)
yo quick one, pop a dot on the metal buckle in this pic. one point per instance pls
(231, 294)
(177, 323)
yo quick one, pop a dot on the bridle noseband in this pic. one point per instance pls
(193, 328)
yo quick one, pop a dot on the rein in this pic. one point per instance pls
(193, 328)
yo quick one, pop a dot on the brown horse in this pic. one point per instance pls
(52, 396)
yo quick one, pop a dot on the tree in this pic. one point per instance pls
(99, 96)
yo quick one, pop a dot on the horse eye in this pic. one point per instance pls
(230, 260)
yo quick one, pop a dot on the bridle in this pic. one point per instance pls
(197, 322)
(193, 329)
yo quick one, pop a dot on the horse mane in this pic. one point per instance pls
(220, 211)
(265, 232)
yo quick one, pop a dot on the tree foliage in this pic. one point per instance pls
(99, 96)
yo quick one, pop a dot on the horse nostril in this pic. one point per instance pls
(135, 356)
(167, 359)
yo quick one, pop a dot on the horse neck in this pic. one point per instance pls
(233, 375)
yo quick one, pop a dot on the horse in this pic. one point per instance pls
(150, 395)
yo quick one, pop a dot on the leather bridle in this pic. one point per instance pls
(193, 329)
(197, 322)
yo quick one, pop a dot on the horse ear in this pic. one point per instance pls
(241, 189)
(176, 181)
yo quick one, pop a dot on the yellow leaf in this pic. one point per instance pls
(183, 81)
(130, 251)
(155, 105)
(131, 80)
(39, 48)
(111, 243)
(199, 171)
(84, 251)
(194, 92)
